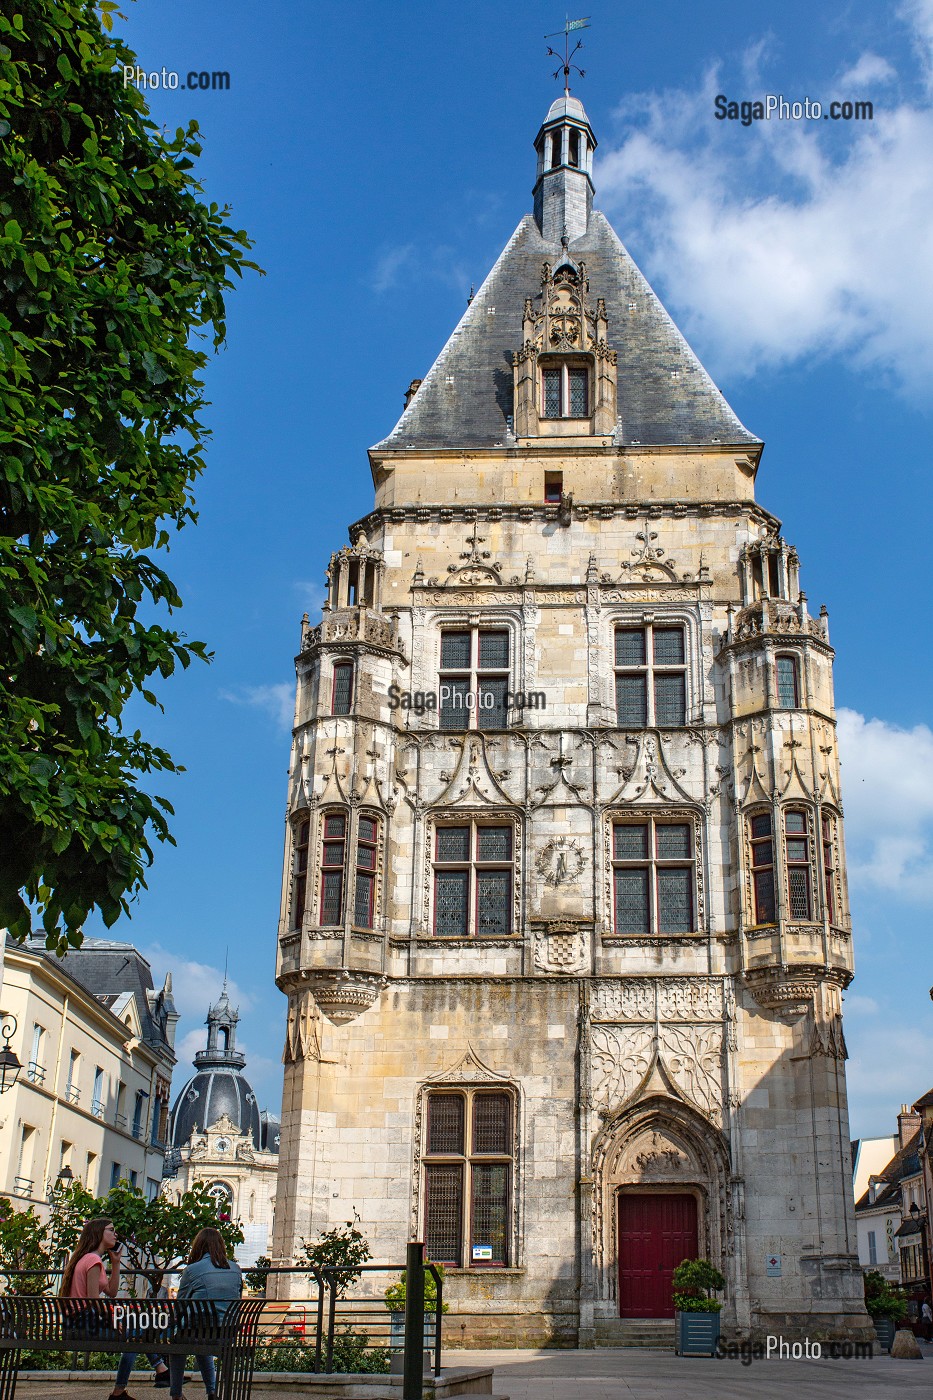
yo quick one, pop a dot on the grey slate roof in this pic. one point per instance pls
(655, 408)
(107, 969)
(206, 1097)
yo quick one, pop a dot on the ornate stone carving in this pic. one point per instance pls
(561, 947)
(621, 1059)
(693, 1057)
(561, 861)
(303, 1029)
(342, 994)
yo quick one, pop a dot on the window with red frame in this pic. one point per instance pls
(829, 867)
(300, 866)
(359, 877)
(797, 850)
(468, 1164)
(472, 881)
(762, 843)
(342, 692)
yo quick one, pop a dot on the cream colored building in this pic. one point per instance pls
(220, 1136)
(95, 1041)
(564, 921)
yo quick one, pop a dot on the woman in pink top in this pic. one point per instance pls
(86, 1277)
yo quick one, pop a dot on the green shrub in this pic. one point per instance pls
(693, 1279)
(396, 1292)
(881, 1300)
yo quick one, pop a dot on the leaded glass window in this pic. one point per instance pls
(342, 699)
(797, 851)
(654, 877)
(762, 846)
(469, 1158)
(650, 677)
(300, 883)
(552, 379)
(787, 687)
(829, 867)
(565, 391)
(474, 679)
(344, 869)
(473, 881)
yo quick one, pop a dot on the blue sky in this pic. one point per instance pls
(380, 157)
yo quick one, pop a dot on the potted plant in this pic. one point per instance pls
(395, 1302)
(696, 1315)
(886, 1306)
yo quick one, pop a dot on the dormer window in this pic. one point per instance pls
(565, 391)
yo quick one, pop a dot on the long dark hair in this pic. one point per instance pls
(209, 1241)
(89, 1242)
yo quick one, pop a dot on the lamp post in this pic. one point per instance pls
(9, 1063)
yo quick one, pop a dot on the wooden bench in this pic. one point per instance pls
(170, 1327)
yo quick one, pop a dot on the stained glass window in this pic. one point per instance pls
(476, 699)
(332, 862)
(363, 901)
(299, 894)
(455, 702)
(797, 849)
(332, 897)
(763, 868)
(673, 842)
(493, 711)
(630, 842)
(799, 885)
(668, 646)
(829, 868)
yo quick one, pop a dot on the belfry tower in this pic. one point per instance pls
(564, 922)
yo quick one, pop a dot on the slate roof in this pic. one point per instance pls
(109, 970)
(654, 408)
(207, 1096)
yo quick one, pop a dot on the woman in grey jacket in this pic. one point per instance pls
(211, 1276)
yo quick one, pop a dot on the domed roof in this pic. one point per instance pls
(566, 106)
(209, 1095)
(218, 1087)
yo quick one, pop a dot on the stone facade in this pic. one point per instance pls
(612, 906)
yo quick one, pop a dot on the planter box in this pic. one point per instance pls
(885, 1327)
(696, 1333)
(397, 1331)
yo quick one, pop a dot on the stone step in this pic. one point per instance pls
(636, 1332)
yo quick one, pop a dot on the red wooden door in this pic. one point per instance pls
(655, 1233)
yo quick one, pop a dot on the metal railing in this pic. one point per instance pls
(35, 1072)
(119, 1120)
(22, 1185)
(344, 1318)
(72, 1093)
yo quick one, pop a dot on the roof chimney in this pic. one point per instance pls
(908, 1123)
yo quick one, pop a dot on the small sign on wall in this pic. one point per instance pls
(773, 1266)
(482, 1253)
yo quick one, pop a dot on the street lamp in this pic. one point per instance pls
(9, 1064)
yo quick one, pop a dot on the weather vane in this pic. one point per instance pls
(565, 63)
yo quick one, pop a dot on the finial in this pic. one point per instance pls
(565, 64)
(470, 297)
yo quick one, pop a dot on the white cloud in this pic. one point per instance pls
(871, 68)
(311, 595)
(771, 245)
(886, 1068)
(277, 701)
(887, 787)
(390, 266)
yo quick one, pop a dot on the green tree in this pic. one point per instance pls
(344, 1247)
(113, 274)
(157, 1234)
(23, 1245)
